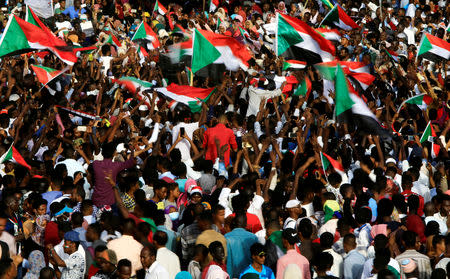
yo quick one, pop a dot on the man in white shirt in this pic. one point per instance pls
(6, 237)
(168, 259)
(153, 270)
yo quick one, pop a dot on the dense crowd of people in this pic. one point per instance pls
(96, 183)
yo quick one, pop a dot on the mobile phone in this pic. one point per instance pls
(81, 128)
(182, 131)
(411, 138)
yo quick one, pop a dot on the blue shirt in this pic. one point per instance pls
(171, 238)
(73, 13)
(51, 196)
(353, 265)
(239, 242)
(266, 272)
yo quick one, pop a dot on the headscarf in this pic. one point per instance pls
(37, 262)
(183, 275)
(331, 208)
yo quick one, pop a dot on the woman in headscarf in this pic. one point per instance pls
(36, 262)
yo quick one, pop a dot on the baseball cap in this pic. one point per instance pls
(290, 235)
(292, 203)
(72, 236)
(110, 256)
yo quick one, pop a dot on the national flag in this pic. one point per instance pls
(132, 84)
(213, 5)
(327, 3)
(190, 76)
(304, 88)
(203, 52)
(244, 33)
(294, 39)
(79, 113)
(89, 49)
(188, 95)
(144, 31)
(113, 40)
(329, 34)
(392, 23)
(14, 156)
(55, 44)
(419, 100)
(433, 48)
(356, 71)
(428, 134)
(328, 161)
(46, 74)
(435, 149)
(233, 54)
(392, 54)
(293, 64)
(219, 21)
(337, 17)
(159, 8)
(351, 108)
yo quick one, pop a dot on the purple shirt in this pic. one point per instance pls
(103, 193)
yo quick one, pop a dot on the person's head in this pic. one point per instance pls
(410, 240)
(71, 242)
(445, 207)
(77, 220)
(3, 222)
(200, 252)
(124, 269)
(335, 179)
(174, 190)
(106, 260)
(77, 4)
(305, 228)
(218, 214)
(160, 189)
(40, 206)
(239, 221)
(8, 269)
(93, 232)
(413, 204)
(258, 253)
(349, 242)
(129, 227)
(12, 203)
(148, 255)
(160, 239)
(205, 220)
(290, 238)
(322, 262)
(407, 181)
(108, 150)
(438, 244)
(47, 273)
(363, 215)
(217, 251)
(326, 240)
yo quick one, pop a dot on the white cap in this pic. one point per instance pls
(143, 108)
(120, 147)
(391, 160)
(292, 203)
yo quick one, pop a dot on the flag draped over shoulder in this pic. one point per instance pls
(188, 95)
(294, 39)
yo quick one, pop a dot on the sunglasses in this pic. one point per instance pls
(262, 254)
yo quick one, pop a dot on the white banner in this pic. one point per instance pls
(42, 8)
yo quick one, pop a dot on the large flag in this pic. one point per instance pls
(233, 54)
(144, 31)
(113, 41)
(43, 8)
(328, 161)
(203, 52)
(58, 46)
(350, 107)
(356, 71)
(433, 48)
(337, 17)
(296, 40)
(159, 8)
(420, 100)
(329, 34)
(429, 134)
(46, 74)
(20, 36)
(188, 95)
(13, 155)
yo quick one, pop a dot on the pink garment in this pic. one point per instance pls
(378, 229)
(292, 257)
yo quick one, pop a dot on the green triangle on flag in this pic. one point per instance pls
(287, 35)
(13, 155)
(428, 134)
(325, 162)
(343, 100)
(203, 52)
(304, 88)
(13, 38)
(196, 106)
(425, 45)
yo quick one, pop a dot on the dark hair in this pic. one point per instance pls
(326, 240)
(438, 273)
(47, 273)
(437, 239)
(164, 162)
(256, 249)
(5, 265)
(123, 262)
(350, 239)
(334, 178)
(305, 228)
(100, 248)
(432, 228)
(409, 238)
(323, 261)
(77, 219)
(213, 246)
(38, 202)
(96, 227)
(201, 249)
(363, 215)
(160, 237)
(108, 150)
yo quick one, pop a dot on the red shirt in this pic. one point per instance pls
(408, 193)
(253, 223)
(225, 137)
(414, 223)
